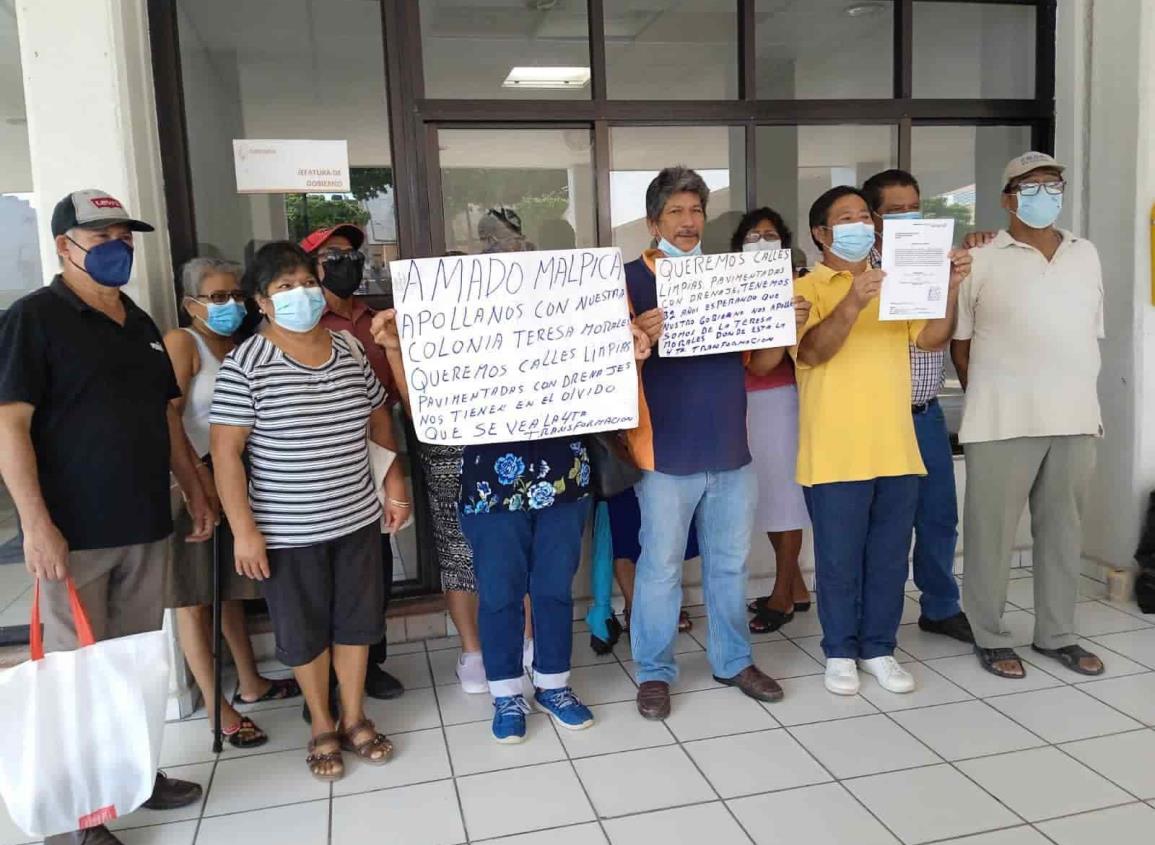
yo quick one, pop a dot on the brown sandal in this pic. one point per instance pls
(317, 759)
(364, 750)
(685, 623)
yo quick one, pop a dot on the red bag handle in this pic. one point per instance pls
(84, 635)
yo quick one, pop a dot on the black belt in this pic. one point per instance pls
(923, 408)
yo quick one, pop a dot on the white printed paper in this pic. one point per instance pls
(915, 258)
(724, 303)
(516, 346)
(291, 167)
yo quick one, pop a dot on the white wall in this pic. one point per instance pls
(1106, 61)
(88, 91)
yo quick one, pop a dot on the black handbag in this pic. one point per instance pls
(612, 468)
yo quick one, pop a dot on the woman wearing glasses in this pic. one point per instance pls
(212, 298)
(306, 517)
(772, 419)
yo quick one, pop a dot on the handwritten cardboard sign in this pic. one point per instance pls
(291, 167)
(516, 346)
(724, 303)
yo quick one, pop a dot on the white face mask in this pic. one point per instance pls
(760, 244)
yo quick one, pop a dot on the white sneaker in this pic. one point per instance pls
(889, 674)
(471, 673)
(841, 676)
(527, 656)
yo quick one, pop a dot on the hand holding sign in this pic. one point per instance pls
(384, 330)
(650, 322)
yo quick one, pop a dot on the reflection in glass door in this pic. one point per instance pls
(510, 190)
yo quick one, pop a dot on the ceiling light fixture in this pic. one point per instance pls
(547, 77)
(862, 10)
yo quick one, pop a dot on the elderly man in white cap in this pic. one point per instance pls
(1027, 351)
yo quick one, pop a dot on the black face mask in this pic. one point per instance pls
(343, 274)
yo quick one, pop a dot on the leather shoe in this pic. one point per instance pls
(94, 836)
(654, 699)
(957, 627)
(172, 794)
(755, 683)
(380, 684)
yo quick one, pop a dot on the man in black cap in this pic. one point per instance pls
(87, 440)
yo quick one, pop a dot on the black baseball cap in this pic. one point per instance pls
(92, 209)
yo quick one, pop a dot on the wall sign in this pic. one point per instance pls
(291, 167)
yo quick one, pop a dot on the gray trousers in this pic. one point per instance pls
(1051, 474)
(122, 590)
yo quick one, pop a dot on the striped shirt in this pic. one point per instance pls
(309, 478)
(926, 374)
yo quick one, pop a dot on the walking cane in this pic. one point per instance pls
(218, 744)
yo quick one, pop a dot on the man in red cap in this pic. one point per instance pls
(340, 265)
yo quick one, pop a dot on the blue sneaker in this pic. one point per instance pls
(565, 707)
(509, 718)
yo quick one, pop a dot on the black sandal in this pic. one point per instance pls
(988, 657)
(768, 620)
(246, 735)
(763, 603)
(1070, 656)
(279, 689)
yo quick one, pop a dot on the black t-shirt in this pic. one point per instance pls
(101, 391)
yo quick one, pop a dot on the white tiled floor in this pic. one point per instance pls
(1054, 759)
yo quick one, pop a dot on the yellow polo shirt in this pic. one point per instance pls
(855, 422)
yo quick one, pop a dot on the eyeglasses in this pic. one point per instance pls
(1030, 189)
(220, 297)
(754, 237)
(334, 254)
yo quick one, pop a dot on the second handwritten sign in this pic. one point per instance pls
(516, 346)
(724, 303)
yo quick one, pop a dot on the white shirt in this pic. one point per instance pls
(199, 397)
(1034, 328)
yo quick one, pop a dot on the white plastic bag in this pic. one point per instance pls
(82, 729)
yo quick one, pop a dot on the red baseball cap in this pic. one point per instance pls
(353, 232)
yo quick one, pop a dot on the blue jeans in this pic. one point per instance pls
(861, 538)
(936, 518)
(721, 504)
(518, 552)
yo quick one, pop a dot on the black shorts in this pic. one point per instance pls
(330, 593)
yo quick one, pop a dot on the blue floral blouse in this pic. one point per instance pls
(525, 476)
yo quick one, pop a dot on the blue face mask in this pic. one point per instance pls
(673, 252)
(903, 215)
(299, 309)
(1041, 210)
(224, 318)
(852, 241)
(109, 263)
